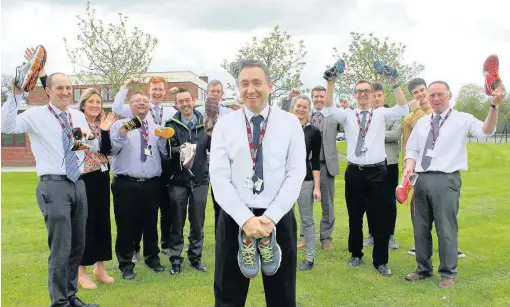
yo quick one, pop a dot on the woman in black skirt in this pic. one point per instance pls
(98, 241)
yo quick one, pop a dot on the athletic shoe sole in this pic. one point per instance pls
(36, 65)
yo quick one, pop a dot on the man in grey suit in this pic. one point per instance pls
(329, 165)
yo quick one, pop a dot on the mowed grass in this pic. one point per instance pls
(483, 277)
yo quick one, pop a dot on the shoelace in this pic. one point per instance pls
(266, 253)
(248, 254)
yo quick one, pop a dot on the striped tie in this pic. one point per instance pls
(72, 167)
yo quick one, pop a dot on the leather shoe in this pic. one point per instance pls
(128, 274)
(199, 266)
(175, 269)
(74, 301)
(158, 268)
(307, 265)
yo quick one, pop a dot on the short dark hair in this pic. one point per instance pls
(364, 81)
(318, 89)
(49, 80)
(254, 63)
(414, 83)
(183, 90)
(440, 82)
(377, 87)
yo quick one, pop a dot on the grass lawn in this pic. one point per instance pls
(483, 280)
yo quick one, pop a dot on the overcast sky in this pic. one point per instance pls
(451, 38)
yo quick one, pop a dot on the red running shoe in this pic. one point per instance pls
(403, 189)
(491, 74)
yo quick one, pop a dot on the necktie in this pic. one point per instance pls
(143, 131)
(70, 158)
(157, 113)
(259, 165)
(361, 141)
(426, 160)
(317, 120)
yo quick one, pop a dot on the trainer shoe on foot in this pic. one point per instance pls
(27, 74)
(369, 241)
(491, 74)
(384, 270)
(392, 243)
(248, 257)
(460, 254)
(270, 254)
(412, 251)
(136, 257)
(354, 261)
(403, 189)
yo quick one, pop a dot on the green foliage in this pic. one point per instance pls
(282, 56)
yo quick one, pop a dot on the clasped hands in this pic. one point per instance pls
(258, 227)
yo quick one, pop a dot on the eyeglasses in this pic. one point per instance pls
(141, 100)
(438, 95)
(367, 91)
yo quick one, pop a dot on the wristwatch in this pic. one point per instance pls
(495, 106)
(395, 86)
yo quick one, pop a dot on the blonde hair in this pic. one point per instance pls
(85, 95)
(304, 97)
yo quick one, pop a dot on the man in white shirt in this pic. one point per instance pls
(366, 173)
(256, 194)
(60, 192)
(436, 151)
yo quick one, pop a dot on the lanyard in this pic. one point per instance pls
(160, 116)
(146, 133)
(69, 135)
(361, 130)
(254, 150)
(434, 136)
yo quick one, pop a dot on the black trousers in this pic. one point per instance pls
(217, 209)
(180, 197)
(231, 286)
(98, 239)
(392, 182)
(366, 189)
(136, 211)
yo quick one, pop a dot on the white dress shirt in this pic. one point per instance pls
(45, 134)
(222, 110)
(284, 167)
(450, 147)
(374, 139)
(122, 109)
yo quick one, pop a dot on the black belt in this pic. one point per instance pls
(361, 167)
(125, 177)
(56, 178)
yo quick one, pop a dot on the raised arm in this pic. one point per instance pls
(11, 122)
(118, 106)
(295, 172)
(329, 109)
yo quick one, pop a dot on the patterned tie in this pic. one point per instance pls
(157, 113)
(317, 120)
(259, 165)
(426, 160)
(142, 141)
(70, 158)
(361, 142)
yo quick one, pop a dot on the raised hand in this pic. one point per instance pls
(107, 121)
(131, 82)
(499, 95)
(29, 54)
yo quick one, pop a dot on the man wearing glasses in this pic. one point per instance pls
(366, 172)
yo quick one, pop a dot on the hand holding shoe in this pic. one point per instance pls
(253, 228)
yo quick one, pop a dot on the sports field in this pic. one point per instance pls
(483, 280)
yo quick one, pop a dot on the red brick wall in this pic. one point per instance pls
(18, 156)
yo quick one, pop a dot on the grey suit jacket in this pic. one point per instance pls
(329, 145)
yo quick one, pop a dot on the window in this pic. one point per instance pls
(13, 140)
(77, 93)
(104, 94)
(111, 94)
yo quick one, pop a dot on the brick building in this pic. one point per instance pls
(16, 149)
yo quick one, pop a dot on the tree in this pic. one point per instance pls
(282, 56)
(111, 54)
(362, 53)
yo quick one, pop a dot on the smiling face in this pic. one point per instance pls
(302, 109)
(363, 94)
(378, 99)
(439, 97)
(93, 106)
(254, 88)
(60, 91)
(157, 92)
(318, 99)
(215, 91)
(139, 105)
(185, 103)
